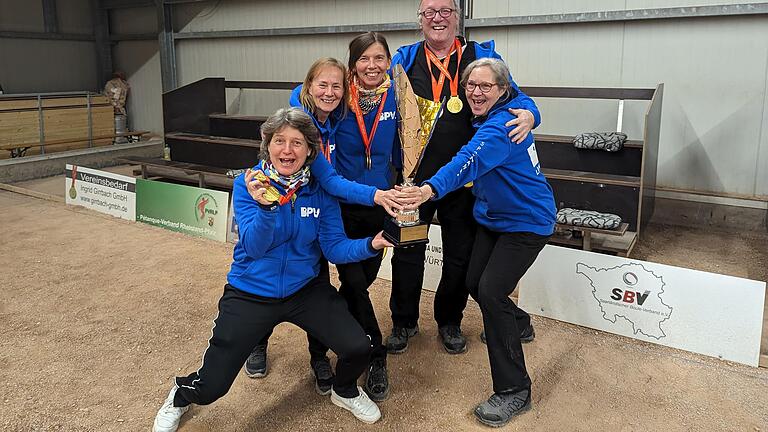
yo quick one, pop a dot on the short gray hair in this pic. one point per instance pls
(498, 68)
(297, 119)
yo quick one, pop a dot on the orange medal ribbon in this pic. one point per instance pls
(325, 149)
(437, 86)
(361, 123)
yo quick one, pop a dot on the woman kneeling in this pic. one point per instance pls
(287, 223)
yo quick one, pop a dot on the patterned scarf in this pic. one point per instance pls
(369, 99)
(289, 184)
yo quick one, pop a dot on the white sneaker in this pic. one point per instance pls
(167, 419)
(361, 406)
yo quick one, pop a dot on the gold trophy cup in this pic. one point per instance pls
(417, 121)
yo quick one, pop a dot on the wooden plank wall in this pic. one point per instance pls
(63, 118)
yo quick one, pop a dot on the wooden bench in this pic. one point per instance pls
(211, 150)
(19, 150)
(618, 182)
(202, 175)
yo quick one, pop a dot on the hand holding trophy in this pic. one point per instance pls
(418, 117)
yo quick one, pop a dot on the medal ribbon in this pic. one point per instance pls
(325, 148)
(290, 184)
(437, 86)
(361, 123)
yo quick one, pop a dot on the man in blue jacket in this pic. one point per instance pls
(434, 67)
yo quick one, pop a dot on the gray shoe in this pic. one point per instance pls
(453, 341)
(528, 335)
(256, 365)
(397, 342)
(321, 368)
(499, 409)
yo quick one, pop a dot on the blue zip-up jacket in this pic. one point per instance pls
(512, 193)
(333, 183)
(385, 147)
(279, 250)
(406, 55)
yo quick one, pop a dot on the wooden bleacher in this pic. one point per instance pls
(620, 182)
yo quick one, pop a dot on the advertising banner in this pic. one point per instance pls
(102, 191)
(186, 209)
(706, 313)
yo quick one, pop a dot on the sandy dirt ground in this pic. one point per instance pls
(98, 314)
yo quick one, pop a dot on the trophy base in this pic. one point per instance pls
(402, 236)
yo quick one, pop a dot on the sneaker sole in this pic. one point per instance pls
(362, 419)
(259, 374)
(320, 391)
(494, 424)
(459, 351)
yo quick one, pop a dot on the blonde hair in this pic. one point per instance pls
(306, 98)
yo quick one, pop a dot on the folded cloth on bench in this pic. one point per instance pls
(608, 141)
(588, 218)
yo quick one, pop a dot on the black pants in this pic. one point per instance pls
(356, 278)
(244, 318)
(498, 262)
(458, 226)
(316, 348)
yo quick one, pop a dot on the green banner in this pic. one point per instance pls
(185, 209)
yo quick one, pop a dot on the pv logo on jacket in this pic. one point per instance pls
(310, 212)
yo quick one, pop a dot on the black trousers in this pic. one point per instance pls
(356, 278)
(316, 348)
(454, 211)
(244, 318)
(498, 262)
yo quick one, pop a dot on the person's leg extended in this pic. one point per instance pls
(511, 257)
(458, 234)
(323, 313)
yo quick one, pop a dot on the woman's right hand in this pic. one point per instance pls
(255, 187)
(379, 242)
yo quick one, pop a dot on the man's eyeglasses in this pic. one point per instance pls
(430, 13)
(484, 87)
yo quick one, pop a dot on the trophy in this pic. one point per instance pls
(418, 117)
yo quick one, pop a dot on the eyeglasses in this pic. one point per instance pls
(430, 13)
(484, 87)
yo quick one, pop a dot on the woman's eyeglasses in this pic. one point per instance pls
(484, 87)
(430, 13)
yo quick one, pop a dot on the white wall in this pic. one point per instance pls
(714, 134)
(34, 65)
(140, 60)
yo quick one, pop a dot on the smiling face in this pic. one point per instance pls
(438, 31)
(480, 103)
(327, 90)
(371, 67)
(288, 150)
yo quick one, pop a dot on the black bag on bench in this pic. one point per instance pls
(588, 218)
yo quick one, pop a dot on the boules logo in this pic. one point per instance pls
(630, 278)
(206, 209)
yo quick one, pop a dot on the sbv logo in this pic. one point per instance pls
(310, 212)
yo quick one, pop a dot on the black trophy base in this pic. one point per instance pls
(402, 236)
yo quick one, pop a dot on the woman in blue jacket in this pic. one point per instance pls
(322, 95)
(367, 152)
(287, 223)
(515, 211)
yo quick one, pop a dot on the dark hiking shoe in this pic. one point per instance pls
(377, 383)
(526, 336)
(321, 368)
(256, 365)
(453, 341)
(397, 342)
(499, 409)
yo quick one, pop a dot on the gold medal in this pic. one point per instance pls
(368, 161)
(271, 194)
(455, 104)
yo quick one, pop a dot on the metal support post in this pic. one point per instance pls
(167, 46)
